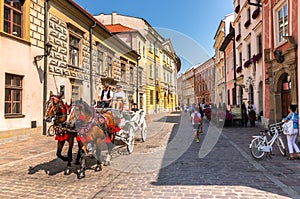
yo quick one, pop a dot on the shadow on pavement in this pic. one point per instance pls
(223, 166)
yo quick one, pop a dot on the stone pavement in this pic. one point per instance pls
(168, 165)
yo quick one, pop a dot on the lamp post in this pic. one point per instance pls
(47, 49)
(137, 80)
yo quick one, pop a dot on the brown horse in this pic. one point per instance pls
(92, 129)
(57, 113)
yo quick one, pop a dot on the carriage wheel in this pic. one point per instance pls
(51, 131)
(130, 144)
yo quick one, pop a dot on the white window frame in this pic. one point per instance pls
(276, 9)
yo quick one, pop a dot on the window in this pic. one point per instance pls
(13, 14)
(74, 51)
(100, 62)
(131, 74)
(151, 96)
(75, 93)
(228, 97)
(140, 77)
(156, 52)
(259, 43)
(151, 71)
(139, 47)
(109, 66)
(241, 59)
(150, 46)
(123, 72)
(249, 14)
(249, 51)
(13, 94)
(282, 22)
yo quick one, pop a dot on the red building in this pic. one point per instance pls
(280, 38)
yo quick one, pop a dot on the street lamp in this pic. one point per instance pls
(47, 51)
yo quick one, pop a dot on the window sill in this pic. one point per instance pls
(11, 116)
(279, 44)
(19, 39)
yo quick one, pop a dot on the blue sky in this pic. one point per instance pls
(191, 25)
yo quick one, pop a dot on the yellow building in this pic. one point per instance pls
(157, 58)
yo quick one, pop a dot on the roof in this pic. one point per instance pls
(116, 28)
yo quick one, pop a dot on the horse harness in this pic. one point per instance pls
(99, 120)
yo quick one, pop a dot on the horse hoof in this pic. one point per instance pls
(106, 163)
(81, 175)
(67, 171)
(98, 168)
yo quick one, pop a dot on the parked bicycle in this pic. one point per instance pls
(260, 145)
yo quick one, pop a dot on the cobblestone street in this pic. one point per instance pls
(167, 165)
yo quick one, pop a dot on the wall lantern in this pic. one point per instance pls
(47, 51)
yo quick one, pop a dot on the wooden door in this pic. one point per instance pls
(286, 100)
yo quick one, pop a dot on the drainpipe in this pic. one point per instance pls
(91, 62)
(137, 80)
(45, 64)
(234, 69)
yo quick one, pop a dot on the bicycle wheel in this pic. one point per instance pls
(51, 131)
(254, 148)
(281, 146)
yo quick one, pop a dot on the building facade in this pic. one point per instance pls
(160, 62)
(204, 79)
(220, 90)
(188, 84)
(280, 28)
(21, 39)
(248, 38)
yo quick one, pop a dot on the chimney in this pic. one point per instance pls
(113, 18)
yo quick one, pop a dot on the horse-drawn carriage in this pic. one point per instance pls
(92, 127)
(130, 123)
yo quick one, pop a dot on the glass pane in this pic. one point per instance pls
(76, 58)
(280, 14)
(285, 12)
(17, 81)
(17, 4)
(7, 95)
(16, 107)
(6, 13)
(17, 18)
(8, 79)
(7, 108)
(6, 27)
(17, 31)
(17, 95)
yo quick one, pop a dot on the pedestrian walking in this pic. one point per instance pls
(291, 138)
(251, 113)
(196, 120)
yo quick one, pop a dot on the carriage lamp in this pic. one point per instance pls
(47, 51)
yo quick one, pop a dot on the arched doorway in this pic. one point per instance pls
(286, 95)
